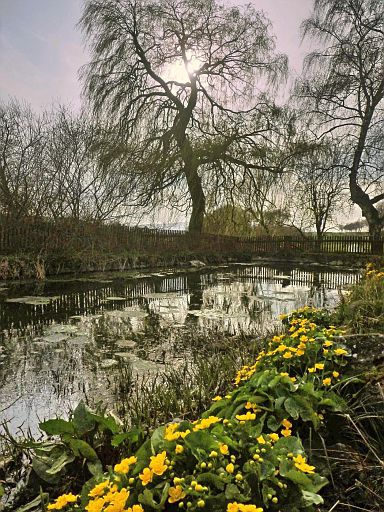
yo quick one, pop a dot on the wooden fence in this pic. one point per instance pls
(68, 236)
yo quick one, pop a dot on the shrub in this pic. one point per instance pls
(245, 453)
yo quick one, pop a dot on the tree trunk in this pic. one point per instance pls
(198, 199)
(358, 196)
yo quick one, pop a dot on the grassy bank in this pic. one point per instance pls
(301, 428)
(28, 266)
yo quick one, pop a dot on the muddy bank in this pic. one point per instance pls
(32, 266)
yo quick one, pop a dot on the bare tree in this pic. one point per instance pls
(176, 74)
(23, 178)
(83, 185)
(317, 188)
(344, 86)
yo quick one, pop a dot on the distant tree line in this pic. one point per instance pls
(181, 111)
(51, 167)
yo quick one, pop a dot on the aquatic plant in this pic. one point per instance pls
(245, 452)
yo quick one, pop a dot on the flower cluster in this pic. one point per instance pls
(244, 454)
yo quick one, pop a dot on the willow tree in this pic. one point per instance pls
(344, 83)
(179, 78)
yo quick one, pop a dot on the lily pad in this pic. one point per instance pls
(63, 329)
(127, 314)
(56, 338)
(170, 295)
(33, 300)
(108, 363)
(126, 343)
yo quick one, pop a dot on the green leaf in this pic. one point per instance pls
(33, 504)
(301, 406)
(311, 498)
(267, 469)
(200, 443)
(232, 492)
(273, 424)
(60, 463)
(157, 439)
(82, 449)
(146, 498)
(307, 482)
(142, 454)
(132, 437)
(83, 419)
(211, 480)
(2, 491)
(40, 467)
(107, 422)
(95, 467)
(57, 427)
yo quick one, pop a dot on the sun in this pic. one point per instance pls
(178, 72)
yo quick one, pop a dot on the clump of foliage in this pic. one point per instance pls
(363, 308)
(246, 452)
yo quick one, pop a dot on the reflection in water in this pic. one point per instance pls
(54, 354)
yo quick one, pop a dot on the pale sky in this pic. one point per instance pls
(41, 50)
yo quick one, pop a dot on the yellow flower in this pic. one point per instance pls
(216, 398)
(328, 343)
(175, 494)
(303, 338)
(124, 465)
(157, 463)
(248, 416)
(260, 440)
(95, 505)
(301, 463)
(206, 423)
(311, 370)
(300, 352)
(146, 476)
(135, 508)
(170, 433)
(288, 355)
(286, 423)
(327, 381)
(117, 501)
(179, 448)
(230, 468)
(284, 374)
(250, 405)
(274, 437)
(281, 348)
(99, 489)
(286, 432)
(336, 374)
(340, 352)
(223, 448)
(62, 501)
(319, 366)
(242, 507)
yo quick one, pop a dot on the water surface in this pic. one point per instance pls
(68, 340)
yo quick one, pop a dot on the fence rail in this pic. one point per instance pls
(78, 237)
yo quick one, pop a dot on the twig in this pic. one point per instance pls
(365, 440)
(334, 506)
(370, 490)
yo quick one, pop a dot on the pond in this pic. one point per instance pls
(63, 341)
